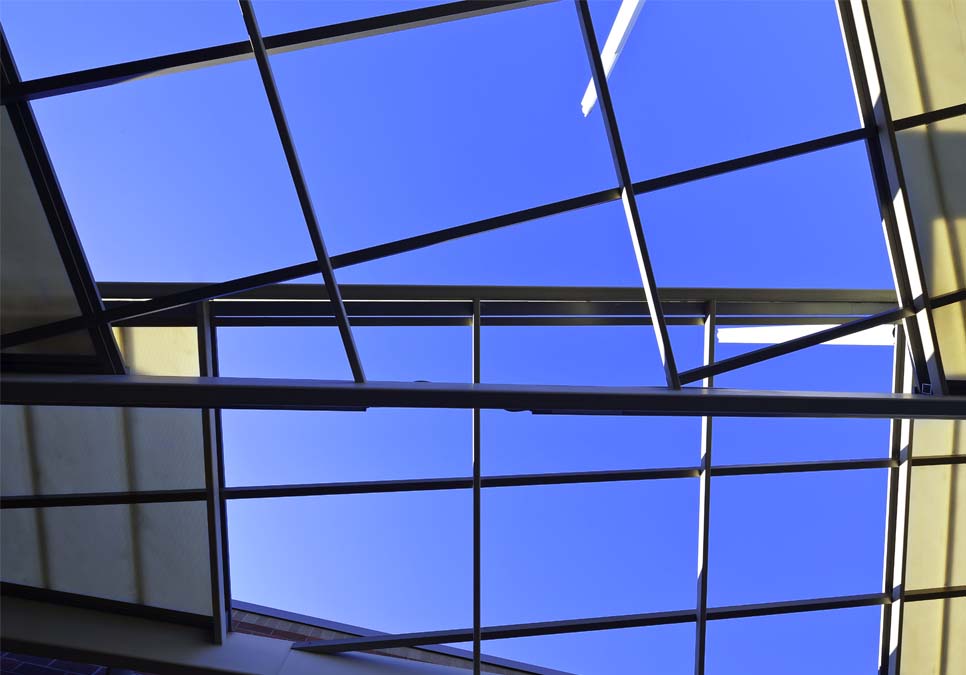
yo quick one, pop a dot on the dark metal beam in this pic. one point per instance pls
(772, 351)
(477, 499)
(59, 218)
(935, 593)
(628, 196)
(704, 502)
(900, 235)
(834, 333)
(301, 189)
(276, 394)
(584, 625)
(214, 476)
(457, 483)
(103, 76)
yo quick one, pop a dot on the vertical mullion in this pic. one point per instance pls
(704, 507)
(894, 565)
(628, 198)
(897, 223)
(220, 448)
(477, 596)
(301, 189)
(214, 495)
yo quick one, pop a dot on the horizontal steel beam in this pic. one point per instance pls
(281, 394)
(585, 625)
(457, 483)
(125, 290)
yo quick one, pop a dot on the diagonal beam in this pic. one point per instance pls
(58, 216)
(232, 52)
(704, 504)
(628, 198)
(897, 223)
(305, 201)
(790, 346)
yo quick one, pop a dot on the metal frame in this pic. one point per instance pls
(255, 300)
(460, 482)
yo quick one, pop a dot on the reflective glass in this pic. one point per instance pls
(176, 178)
(576, 551)
(796, 536)
(388, 562)
(838, 642)
(456, 122)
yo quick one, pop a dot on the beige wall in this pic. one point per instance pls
(155, 554)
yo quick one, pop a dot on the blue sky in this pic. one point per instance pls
(182, 178)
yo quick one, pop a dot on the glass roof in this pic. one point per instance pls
(473, 127)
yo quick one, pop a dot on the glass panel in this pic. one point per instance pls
(488, 124)
(773, 73)
(282, 16)
(577, 551)
(840, 642)
(807, 222)
(149, 554)
(796, 536)
(589, 247)
(176, 178)
(820, 368)
(52, 450)
(387, 562)
(437, 353)
(273, 447)
(664, 650)
(525, 443)
(59, 36)
(936, 555)
(922, 50)
(520, 442)
(932, 636)
(578, 355)
(276, 446)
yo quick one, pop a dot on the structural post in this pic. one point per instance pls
(214, 484)
(477, 498)
(704, 507)
(897, 519)
(907, 269)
